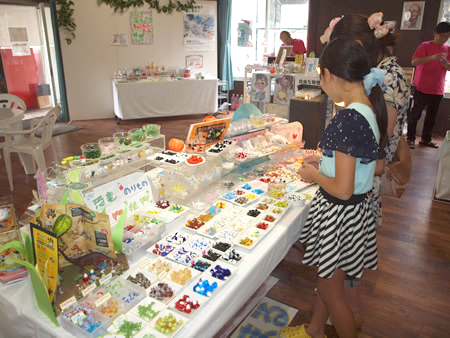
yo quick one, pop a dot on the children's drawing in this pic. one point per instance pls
(284, 89)
(260, 87)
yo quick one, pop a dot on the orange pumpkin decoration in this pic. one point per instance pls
(209, 118)
(176, 145)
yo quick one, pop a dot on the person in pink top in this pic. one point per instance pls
(431, 60)
(298, 45)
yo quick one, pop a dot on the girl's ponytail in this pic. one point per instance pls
(379, 106)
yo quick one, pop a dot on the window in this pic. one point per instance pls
(444, 15)
(253, 38)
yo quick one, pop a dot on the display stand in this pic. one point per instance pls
(311, 114)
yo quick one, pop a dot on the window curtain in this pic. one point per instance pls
(224, 27)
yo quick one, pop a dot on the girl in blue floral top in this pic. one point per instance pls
(340, 230)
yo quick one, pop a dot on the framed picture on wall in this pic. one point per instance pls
(283, 53)
(412, 15)
(194, 61)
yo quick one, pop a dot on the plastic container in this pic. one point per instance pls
(277, 189)
(123, 141)
(108, 147)
(152, 130)
(90, 151)
(138, 136)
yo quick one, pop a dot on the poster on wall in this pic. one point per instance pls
(199, 28)
(20, 48)
(284, 89)
(245, 34)
(412, 15)
(194, 61)
(260, 87)
(141, 28)
(119, 39)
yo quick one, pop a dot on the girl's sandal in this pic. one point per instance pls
(295, 332)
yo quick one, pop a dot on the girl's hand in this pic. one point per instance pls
(307, 172)
(313, 160)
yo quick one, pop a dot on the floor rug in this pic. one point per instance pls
(247, 307)
(266, 319)
(61, 128)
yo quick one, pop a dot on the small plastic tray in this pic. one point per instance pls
(157, 306)
(193, 296)
(164, 313)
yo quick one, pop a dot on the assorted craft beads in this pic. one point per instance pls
(258, 191)
(262, 226)
(201, 265)
(220, 273)
(247, 241)
(204, 288)
(162, 204)
(241, 200)
(184, 255)
(194, 223)
(232, 256)
(186, 304)
(222, 246)
(161, 291)
(230, 195)
(262, 206)
(199, 243)
(240, 192)
(181, 276)
(211, 255)
(168, 324)
(177, 238)
(253, 213)
(163, 249)
(205, 217)
(147, 312)
(247, 186)
(176, 208)
(160, 266)
(277, 211)
(110, 309)
(140, 280)
(269, 218)
(229, 234)
(129, 328)
(282, 204)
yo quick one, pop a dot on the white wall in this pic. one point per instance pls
(90, 61)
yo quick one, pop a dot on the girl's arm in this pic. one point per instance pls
(379, 168)
(341, 186)
(392, 118)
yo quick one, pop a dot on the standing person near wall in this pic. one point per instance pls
(379, 42)
(298, 45)
(431, 59)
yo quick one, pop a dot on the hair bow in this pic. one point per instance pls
(375, 77)
(379, 30)
(326, 35)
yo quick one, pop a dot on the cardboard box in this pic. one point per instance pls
(44, 101)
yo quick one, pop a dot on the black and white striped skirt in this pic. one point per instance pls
(340, 235)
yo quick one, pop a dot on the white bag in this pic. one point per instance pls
(442, 186)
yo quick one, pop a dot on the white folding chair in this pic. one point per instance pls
(12, 101)
(26, 142)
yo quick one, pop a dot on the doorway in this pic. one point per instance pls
(27, 56)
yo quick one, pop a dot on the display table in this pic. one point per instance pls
(20, 315)
(137, 100)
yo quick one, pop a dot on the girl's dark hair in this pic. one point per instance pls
(348, 60)
(355, 27)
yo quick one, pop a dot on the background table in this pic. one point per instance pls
(20, 316)
(137, 100)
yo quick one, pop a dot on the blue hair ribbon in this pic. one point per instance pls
(375, 77)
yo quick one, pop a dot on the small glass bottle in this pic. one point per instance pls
(241, 100)
(233, 103)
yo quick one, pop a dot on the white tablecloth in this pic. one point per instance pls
(20, 316)
(139, 100)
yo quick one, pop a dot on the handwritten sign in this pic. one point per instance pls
(119, 39)
(141, 28)
(134, 189)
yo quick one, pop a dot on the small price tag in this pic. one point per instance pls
(105, 279)
(88, 289)
(144, 263)
(119, 321)
(162, 275)
(67, 303)
(103, 299)
(78, 317)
